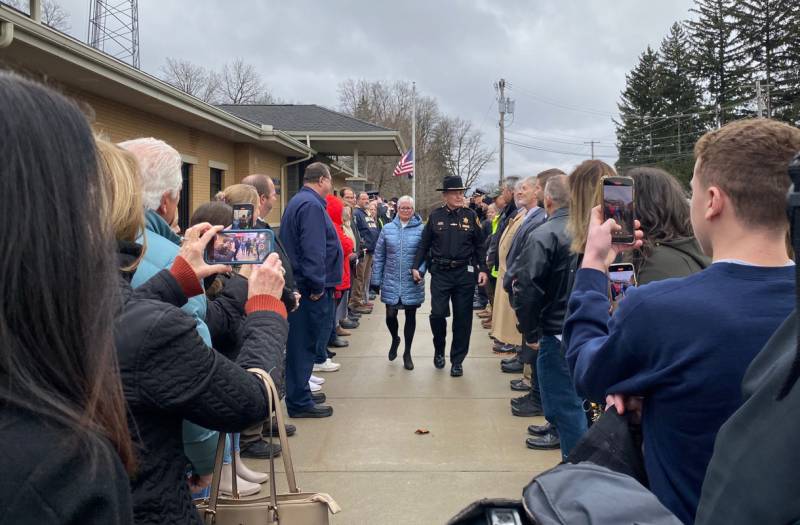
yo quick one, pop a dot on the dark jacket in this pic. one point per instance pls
(311, 242)
(368, 229)
(231, 296)
(753, 474)
(678, 258)
(537, 218)
(169, 374)
(541, 289)
(47, 475)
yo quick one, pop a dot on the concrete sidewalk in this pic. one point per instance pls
(368, 457)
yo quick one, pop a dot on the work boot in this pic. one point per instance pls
(540, 430)
(527, 407)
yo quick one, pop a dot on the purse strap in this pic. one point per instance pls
(272, 398)
(272, 390)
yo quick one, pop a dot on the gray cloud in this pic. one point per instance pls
(554, 53)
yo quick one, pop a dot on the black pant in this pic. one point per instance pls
(456, 284)
(408, 329)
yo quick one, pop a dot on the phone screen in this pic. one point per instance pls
(618, 205)
(242, 216)
(620, 277)
(240, 247)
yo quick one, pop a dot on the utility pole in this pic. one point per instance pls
(591, 143)
(501, 104)
(414, 141)
(759, 100)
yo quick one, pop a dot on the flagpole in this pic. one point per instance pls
(414, 141)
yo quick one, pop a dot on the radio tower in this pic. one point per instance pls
(114, 28)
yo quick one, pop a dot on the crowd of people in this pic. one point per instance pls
(114, 390)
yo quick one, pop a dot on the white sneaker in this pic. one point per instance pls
(327, 366)
(314, 387)
(318, 380)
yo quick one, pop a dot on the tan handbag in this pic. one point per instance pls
(295, 508)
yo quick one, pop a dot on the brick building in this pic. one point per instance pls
(219, 145)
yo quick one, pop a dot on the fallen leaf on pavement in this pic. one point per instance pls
(422, 431)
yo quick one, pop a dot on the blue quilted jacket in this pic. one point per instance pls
(394, 257)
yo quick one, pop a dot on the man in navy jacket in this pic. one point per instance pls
(683, 345)
(313, 247)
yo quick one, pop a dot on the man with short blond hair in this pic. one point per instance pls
(683, 345)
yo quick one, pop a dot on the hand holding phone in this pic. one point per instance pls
(240, 247)
(618, 204)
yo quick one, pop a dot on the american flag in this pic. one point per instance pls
(406, 165)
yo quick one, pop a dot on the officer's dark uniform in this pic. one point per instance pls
(453, 246)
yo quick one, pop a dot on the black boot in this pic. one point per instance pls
(393, 348)
(408, 364)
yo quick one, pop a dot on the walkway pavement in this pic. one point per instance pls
(368, 456)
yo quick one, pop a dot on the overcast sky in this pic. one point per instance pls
(566, 60)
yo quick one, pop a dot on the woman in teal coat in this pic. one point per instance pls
(391, 270)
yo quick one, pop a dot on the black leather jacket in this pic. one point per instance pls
(542, 285)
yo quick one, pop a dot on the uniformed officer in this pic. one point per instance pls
(452, 246)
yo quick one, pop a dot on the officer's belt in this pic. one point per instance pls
(449, 263)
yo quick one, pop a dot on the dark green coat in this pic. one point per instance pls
(678, 258)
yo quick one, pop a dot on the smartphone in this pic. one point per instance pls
(242, 216)
(240, 247)
(618, 205)
(621, 276)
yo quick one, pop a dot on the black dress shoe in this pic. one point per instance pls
(317, 411)
(347, 324)
(290, 429)
(318, 397)
(512, 368)
(393, 349)
(331, 355)
(540, 430)
(547, 442)
(527, 408)
(438, 361)
(456, 371)
(260, 449)
(408, 364)
(519, 385)
(338, 343)
(509, 360)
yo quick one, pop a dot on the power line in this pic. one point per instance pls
(549, 150)
(557, 141)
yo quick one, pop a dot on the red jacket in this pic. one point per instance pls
(335, 207)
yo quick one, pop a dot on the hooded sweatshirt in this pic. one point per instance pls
(335, 207)
(677, 258)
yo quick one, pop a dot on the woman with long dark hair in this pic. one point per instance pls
(65, 444)
(669, 248)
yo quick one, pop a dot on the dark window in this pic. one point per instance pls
(216, 182)
(293, 181)
(184, 206)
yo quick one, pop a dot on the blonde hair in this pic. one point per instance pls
(125, 210)
(585, 191)
(239, 194)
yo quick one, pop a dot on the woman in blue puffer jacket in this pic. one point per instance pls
(391, 270)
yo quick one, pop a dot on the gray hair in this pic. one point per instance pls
(510, 183)
(530, 181)
(557, 189)
(406, 198)
(160, 168)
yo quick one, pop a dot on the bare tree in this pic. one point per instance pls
(462, 149)
(192, 79)
(53, 14)
(240, 83)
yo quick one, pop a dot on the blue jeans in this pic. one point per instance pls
(328, 303)
(562, 406)
(307, 325)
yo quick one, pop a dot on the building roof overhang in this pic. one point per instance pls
(61, 59)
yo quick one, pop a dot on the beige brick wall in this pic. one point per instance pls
(120, 122)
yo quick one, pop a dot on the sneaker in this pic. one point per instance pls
(314, 387)
(316, 379)
(327, 366)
